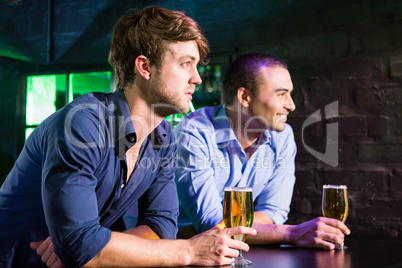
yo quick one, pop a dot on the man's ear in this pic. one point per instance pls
(143, 67)
(243, 97)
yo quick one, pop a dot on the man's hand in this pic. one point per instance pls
(319, 233)
(213, 247)
(216, 247)
(45, 250)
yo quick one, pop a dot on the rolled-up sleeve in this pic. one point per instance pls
(72, 152)
(274, 199)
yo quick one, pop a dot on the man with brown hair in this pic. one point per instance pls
(86, 164)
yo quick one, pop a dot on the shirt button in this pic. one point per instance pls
(132, 139)
(122, 186)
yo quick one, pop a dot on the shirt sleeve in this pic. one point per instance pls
(158, 206)
(274, 200)
(73, 149)
(195, 179)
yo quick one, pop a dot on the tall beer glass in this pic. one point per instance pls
(238, 210)
(335, 203)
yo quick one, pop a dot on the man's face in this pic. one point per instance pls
(272, 102)
(173, 83)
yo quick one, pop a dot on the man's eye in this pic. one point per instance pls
(186, 64)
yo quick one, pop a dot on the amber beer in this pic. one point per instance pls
(335, 202)
(238, 208)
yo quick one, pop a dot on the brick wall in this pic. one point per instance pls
(9, 112)
(369, 91)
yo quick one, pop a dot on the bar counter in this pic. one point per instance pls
(362, 251)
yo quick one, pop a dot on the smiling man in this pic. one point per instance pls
(247, 143)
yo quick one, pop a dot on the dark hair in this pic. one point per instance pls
(245, 72)
(148, 32)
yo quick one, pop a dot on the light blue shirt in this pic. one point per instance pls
(210, 158)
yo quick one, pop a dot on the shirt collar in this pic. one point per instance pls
(124, 128)
(223, 130)
(158, 135)
(123, 124)
(225, 133)
(266, 137)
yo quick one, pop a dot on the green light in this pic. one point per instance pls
(83, 83)
(47, 93)
(44, 93)
(28, 132)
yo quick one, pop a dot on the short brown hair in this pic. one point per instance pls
(147, 32)
(245, 72)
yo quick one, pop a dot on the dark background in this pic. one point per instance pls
(346, 53)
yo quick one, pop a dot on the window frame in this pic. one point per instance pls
(30, 69)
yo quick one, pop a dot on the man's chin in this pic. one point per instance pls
(166, 111)
(280, 129)
(185, 110)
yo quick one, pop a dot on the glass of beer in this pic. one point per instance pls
(238, 210)
(335, 203)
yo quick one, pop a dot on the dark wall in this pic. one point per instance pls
(10, 112)
(345, 58)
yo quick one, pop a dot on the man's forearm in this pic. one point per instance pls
(270, 234)
(317, 233)
(211, 248)
(127, 250)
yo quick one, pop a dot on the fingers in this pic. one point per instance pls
(53, 261)
(324, 244)
(329, 230)
(229, 248)
(320, 233)
(45, 250)
(47, 254)
(330, 238)
(35, 245)
(337, 224)
(240, 230)
(231, 252)
(44, 246)
(216, 247)
(332, 234)
(335, 231)
(57, 264)
(237, 244)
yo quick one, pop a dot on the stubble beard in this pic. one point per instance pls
(166, 101)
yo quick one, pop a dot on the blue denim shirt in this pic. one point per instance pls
(210, 158)
(69, 182)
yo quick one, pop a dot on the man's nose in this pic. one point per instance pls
(195, 77)
(290, 105)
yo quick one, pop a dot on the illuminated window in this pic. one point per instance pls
(48, 93)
